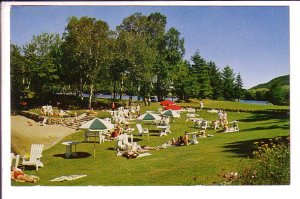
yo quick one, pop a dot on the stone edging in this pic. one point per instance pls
(51, 120)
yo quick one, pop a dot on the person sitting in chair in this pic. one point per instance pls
(117, 131)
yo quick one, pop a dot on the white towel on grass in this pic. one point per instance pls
(143, 155)
(67, 178)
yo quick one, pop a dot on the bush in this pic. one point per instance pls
(270, 167)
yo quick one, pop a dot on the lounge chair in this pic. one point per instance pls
(204, 124)
(35, 155)
(234, 127)
(122, 142)
(141, 130)
(194, 139)
(16, 158)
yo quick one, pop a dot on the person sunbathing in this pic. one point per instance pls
(117, 131)
(182, 140)
(19, 176)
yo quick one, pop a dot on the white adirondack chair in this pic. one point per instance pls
(122, 142)
(141, 130)
(35, 155)
(16, 158)
(234, 127)
(204, 124)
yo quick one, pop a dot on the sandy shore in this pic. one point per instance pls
(23, 135)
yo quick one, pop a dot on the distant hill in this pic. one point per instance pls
(283, 81)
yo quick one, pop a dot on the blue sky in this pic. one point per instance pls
(254, 41)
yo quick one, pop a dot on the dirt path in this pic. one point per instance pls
(23, 135)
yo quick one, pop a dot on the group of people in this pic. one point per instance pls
(118, 130)
(223, 120)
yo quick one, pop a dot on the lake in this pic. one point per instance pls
(124, 97)
(255, 102)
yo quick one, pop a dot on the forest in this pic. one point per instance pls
(140, 58)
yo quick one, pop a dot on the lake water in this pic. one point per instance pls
(255, 102)
(124, 97)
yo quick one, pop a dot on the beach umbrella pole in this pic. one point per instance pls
(95, 148)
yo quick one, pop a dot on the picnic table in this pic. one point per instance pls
(69, 147)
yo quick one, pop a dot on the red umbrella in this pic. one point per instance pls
(166, 102)
(172, 107)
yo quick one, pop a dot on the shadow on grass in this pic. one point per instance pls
(262, 117)
(78, 156)
(284, 127)
(245, 148)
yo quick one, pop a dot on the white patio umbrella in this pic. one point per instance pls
(97, 124)
(149, 117)
(171, 113)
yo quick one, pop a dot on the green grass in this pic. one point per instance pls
(228, 105)
(199, 164)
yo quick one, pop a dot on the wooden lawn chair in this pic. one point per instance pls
(35, 155)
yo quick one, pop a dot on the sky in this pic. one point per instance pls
(252, 40)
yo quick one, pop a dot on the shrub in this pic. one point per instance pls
(271, 165)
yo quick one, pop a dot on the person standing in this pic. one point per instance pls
(138, 109)
(113, 106)
(220, 117)
(201, 105)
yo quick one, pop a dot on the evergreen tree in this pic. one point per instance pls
(185, 83)
(215, 80)
(228, 86)
(239, 87)
(201, 71)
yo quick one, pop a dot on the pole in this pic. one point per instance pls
(95, 147)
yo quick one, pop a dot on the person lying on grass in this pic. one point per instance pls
(19, 176)
(182, 140)
(134, 150)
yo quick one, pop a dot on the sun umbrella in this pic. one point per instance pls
(171, 113)
(172, 107)
(97, 125)
(149, 116)
(166, 102)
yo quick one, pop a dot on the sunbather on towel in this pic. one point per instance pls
(19, 176)
(182, 140)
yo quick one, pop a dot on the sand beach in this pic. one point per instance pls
(25, 132)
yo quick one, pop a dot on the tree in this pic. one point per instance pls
(201, 71)
(185, 83)
(42, 61)
(87, 42)
(18, 74)
(215, 80)
(278, 95)
(239, 87)
(228, 80)
(170, 54)
(135, 55)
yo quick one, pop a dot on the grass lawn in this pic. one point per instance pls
(199, 164)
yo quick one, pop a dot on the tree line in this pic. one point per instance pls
(140, 58)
